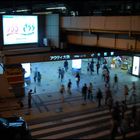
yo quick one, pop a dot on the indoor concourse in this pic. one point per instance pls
(46, 97)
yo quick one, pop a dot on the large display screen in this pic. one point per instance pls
(26, 67)
(136, 65)
(76, 63)
(20, 29)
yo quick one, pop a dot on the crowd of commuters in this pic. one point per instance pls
(103, 97)
(121, 121)
(87, 88)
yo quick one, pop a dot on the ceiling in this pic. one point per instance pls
(73, 7)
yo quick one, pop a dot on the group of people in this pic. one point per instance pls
(90, 67)
(87, 92)
(37, 76)
(62, 70)
(131, 91)
(62, 89)
(121, 122)
(61, 73)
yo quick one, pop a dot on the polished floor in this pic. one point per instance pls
(47, 99)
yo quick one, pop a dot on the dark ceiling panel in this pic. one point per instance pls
(84, 7)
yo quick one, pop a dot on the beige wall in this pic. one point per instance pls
(113, 24)
(125, 44)
(65, 22)
(97, 22)
(75, 38)
(106, 42)
(89, 39)
(135, 23)
(120, 23)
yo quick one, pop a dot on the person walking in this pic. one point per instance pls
(115, 84)
(62, 91)
(123, 108)
(107, 80)
(133, 93)
(126, 90)
(39, 77)
(116, 119)
(66, 65)
(62, 74)
(30, 98)
(99, 96)
(90, 94)
(108, 94)
(110, 103)
(88, 67)
(84, 93)
(77, 79)
(59, 72)
(97, 67)
(134, 115)
(35, 74)
(69, 86)
(114, 128)
(91, 66)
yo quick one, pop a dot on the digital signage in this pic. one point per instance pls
(26, 67)
(20, 29)
(76, 63)
(136, 65)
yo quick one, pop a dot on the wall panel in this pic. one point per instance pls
(74, 39)
(117, 23)
(65, 22)
(106, 42)
(135, 26)
(97, 22)
(88, 39)
(83, 22)
(125, 44)
(79, 22)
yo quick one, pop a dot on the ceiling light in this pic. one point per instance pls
(53, 8)
(2, 12)
(22, 10)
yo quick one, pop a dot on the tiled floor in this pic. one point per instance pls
(47, 98)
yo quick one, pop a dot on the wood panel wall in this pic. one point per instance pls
(120, 23)
(126, 25)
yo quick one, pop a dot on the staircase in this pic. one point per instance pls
(90, 124)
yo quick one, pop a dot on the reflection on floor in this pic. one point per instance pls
(46, 95)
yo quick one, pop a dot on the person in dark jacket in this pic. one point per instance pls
(84, 92)
(99, 96)
(30, 98)
(66, 65)
(77, 79)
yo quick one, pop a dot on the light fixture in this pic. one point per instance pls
(111, 53)
(41, 13)
(54, 8)
(2, 12)
(22, 10)
(105, 53)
